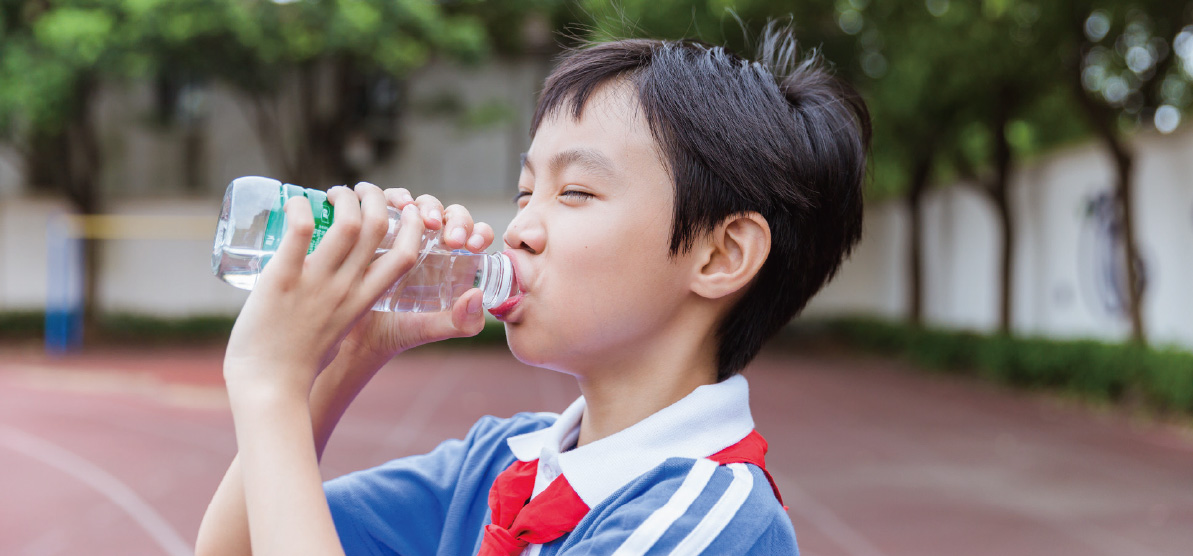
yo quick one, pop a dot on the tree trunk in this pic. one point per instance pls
(318, 156)
(85, 161)
(915, 190)
(327, 96)
(999, 190)
(310, 171)
(1124, 194)
(1102, 120)
(69, 160)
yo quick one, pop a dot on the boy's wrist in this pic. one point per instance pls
(255, 391)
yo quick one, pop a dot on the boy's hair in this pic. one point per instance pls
(781, 137)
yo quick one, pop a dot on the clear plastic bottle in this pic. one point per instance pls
(252, 224)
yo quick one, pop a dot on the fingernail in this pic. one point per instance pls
(476, 241)
(410, 211)
(435, 215)
(458, 235)
(474, 305)
(406, 198)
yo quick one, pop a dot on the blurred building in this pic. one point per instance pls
(461, 137)
(1069, 278)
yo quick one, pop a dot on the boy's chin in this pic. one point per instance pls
(536, 352)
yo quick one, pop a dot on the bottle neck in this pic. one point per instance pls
(496, 280)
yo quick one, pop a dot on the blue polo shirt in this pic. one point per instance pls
(650, 487)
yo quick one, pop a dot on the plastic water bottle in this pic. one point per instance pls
(252, 224)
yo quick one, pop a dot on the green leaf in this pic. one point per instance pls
(77, 35)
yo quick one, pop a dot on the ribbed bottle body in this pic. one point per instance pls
(252, 224)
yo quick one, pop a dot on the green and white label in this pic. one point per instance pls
(321, 210)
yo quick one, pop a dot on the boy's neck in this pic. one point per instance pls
(621, 396)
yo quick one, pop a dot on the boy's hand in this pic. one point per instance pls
(303, 305)
(379, 336)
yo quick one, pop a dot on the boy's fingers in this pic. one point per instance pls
(399, 197)
(374, 226)
(287, 260)
(388, 268)
(344, 231)
(457, 226)
(431, 210)
(468, 315)
(481, 238)
(460, 322)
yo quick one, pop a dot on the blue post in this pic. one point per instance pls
(64, 287)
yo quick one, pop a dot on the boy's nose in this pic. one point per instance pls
(525, 232)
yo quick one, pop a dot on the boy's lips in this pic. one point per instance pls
(502, 312)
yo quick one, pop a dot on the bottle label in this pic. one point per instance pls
(323, 213)
(321, 210)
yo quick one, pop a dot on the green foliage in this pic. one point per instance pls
(22, 325)
(492, 335)
(935, 72)
(1161, 378)
(134, 329)
(49, 49)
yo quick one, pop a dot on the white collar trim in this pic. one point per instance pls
(710, 419)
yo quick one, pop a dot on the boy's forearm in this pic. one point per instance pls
(335, 389)
(283, 489)
(224, 529)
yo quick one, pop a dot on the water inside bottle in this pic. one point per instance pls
(433, 285)
(250, 226)
(441, 278)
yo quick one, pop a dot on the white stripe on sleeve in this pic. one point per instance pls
(720, 514)
(649, 532)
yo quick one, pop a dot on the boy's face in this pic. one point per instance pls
(591, 240)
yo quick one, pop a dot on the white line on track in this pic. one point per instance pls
(824, 519)
(103, 482)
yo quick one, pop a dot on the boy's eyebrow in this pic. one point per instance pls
(587, 159)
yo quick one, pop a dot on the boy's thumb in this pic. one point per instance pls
(467, 317)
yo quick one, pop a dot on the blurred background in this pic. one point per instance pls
(1029, 228)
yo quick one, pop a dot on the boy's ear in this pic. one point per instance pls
(733, 255)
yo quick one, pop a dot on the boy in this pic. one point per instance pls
(677, 206)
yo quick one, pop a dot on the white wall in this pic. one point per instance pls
(143, 176)
(1059, 279)
(1062, 256)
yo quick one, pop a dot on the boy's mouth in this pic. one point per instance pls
(501, 312)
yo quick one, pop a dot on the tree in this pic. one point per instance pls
(343, 64)
(53, 57)
(1129, 65)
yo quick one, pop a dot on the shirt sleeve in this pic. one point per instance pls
(686, 508)
(420, 505)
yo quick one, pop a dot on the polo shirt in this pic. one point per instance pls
(650, 487)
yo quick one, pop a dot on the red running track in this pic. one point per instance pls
(119, 452)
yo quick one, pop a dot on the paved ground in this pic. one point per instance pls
(118, 453)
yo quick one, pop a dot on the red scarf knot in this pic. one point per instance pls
(519, 520)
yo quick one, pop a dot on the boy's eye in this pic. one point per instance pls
(582, 195)
(519, 195)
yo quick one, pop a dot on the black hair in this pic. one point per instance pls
(780, 136)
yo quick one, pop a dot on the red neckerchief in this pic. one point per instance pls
(752, 450)
(518, 520)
